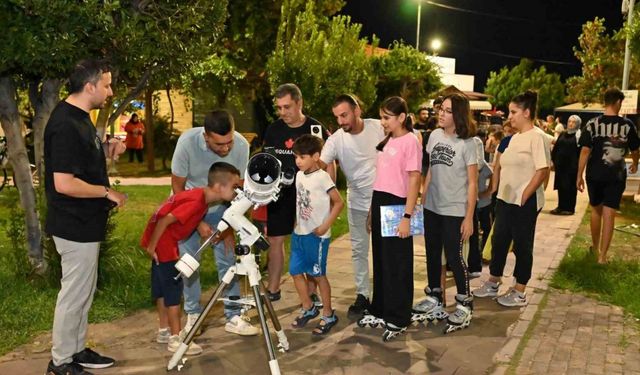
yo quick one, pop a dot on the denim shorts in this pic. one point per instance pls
(308, 255)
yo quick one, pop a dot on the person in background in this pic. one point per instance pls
(281, 214)
(605, 140)
(482, 216)
(565, 154)
(134, 140)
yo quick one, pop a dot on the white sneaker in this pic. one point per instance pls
(474, 275)
(241, 327)
(163, 336)
(191, 321)
(174, 344)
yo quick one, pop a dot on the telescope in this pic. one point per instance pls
(263, 180)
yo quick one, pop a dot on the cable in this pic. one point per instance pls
(493, 15)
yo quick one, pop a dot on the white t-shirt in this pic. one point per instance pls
(527, 152)
(313, 203)
(449, 157)
(357, 156)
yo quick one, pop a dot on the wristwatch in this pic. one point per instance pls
(106, 192)
(406, 216)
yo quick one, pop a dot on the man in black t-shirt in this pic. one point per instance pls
(280, 137)
(78, 198)
(605, 140)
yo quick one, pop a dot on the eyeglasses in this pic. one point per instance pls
(447, 110)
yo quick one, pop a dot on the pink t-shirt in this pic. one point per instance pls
(399, 157)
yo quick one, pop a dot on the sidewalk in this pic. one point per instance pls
(494, 334)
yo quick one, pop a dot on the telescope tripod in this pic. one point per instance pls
(246, 265)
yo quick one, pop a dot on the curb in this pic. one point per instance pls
(516, 333)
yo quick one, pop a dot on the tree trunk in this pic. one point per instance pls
(17, 152)
(171, 121)
(44, 97)
(134, 93)
(148, 122)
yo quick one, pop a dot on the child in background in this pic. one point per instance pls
(318, 205)
(482, 216)
(175, 220)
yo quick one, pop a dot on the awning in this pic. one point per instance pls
(480, 105)
(579, 107)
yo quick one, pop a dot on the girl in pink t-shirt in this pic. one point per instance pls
(397, 183)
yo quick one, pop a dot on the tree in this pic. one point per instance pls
(406, 72)
(43, 45)
(507, 83)
(602, 59)
(324, 57)
(47, 38)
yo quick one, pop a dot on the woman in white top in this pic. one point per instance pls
(524, 166)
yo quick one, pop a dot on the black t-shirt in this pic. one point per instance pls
(71, 145)
(609, 138)
(281, 137)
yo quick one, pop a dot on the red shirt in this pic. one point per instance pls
(188, 207)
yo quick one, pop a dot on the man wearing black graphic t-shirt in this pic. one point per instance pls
(280, 136)
(605, 140)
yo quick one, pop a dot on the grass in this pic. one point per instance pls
(28, 304)
(135, 169)
(617, 282)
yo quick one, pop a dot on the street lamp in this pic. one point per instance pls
(436, 44)
(418, 28)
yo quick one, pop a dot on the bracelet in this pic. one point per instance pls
(406, 216)
(106, 192)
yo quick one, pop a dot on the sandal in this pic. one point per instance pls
(305, 316)
(325, 324)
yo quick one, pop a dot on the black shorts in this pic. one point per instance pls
(281, 214)
(163, 284)
(606, 193)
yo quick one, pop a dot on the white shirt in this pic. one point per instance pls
(357, 155)
(313, 203)
(527, 152)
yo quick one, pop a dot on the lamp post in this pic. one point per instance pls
(627, 55)
(418, 28)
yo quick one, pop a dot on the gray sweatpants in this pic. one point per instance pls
(79, 277)
(360, 250)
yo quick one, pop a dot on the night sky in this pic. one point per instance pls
(485, 35)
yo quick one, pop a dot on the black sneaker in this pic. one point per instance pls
(273, 296)
(359, 306)
(90, 359)
(66, 369)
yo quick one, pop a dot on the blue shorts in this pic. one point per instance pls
(308, 255)
(163, 284)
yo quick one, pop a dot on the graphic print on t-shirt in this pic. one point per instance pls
(442, 153)
(613, 152)
(289, 143)
(304, 203)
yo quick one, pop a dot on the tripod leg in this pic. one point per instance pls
(283, 343)
(173, 362)
(273, 362)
